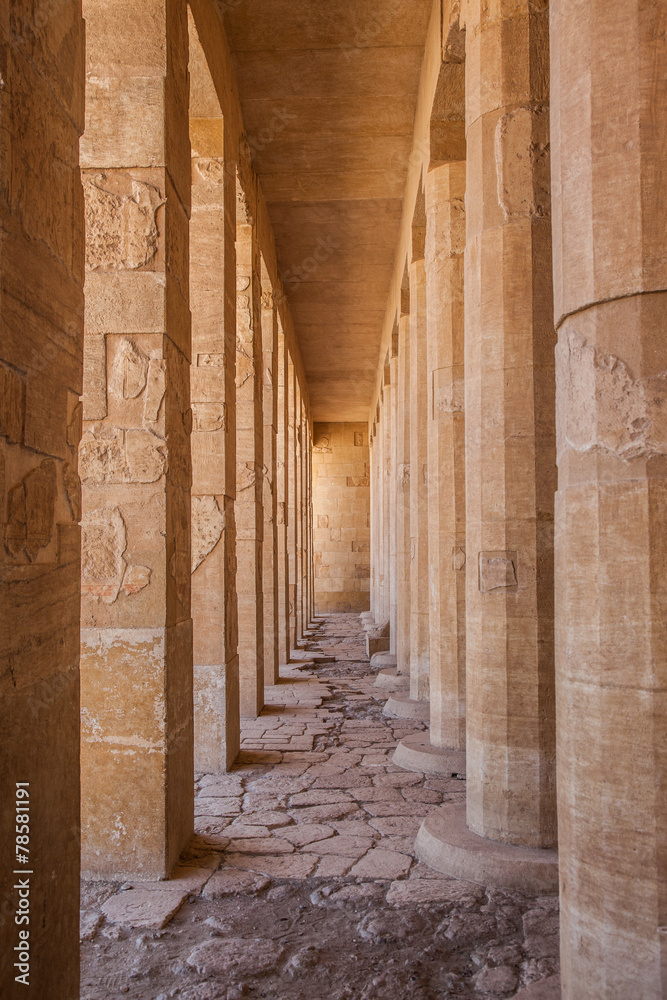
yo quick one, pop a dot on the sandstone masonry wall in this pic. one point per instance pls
(341, 508)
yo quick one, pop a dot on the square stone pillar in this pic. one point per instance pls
(282, 473)
(445, 243)
(41, 363)
(213, 399)
(249, 462)
(403, 500)
(609, 121)
(305, 519)
(134, 458)
(374, 525)
(270, 484)
(299, 496)
(419, 582)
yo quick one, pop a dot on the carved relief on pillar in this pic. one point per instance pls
(121, 225)
(208, 523)
(105, 571)
(43, 495)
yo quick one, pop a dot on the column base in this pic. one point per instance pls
(417, 753)
(445, 843)
(391, 680)
(384, 659)
(546, 989)
(402, 706)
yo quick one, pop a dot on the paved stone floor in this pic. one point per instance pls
(301, 883)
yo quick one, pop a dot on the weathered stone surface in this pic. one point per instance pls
(207, 525)
(433, 890)
(151, 908)
(238, 956)
(381, 864)
(121, 229)
(341, 503)
(232, 882)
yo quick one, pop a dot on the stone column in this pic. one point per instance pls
(385, 478)
(373, 482)
(414, 704)
(292, 500)
(610, 278)
(213, 393)
(249, 463)
(419, 588)
(282, 467)
(445, 243)
(403, 506)
(270, 497)
(41, 346)
(510, 464)
(134, 459)
(393, 499)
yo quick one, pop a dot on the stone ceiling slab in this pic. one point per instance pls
(329, 93)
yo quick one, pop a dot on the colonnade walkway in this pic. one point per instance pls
(301, 882)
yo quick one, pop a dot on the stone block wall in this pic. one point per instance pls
(341, 513)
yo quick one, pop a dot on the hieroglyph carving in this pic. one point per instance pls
(104, 570)
(602, 408)
(134, 373)
(121, 231)
(404, 478)
(246, 476)
(208, 523)
(111, 455)
(30, 510)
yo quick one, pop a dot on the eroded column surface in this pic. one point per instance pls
(419, 582)
(510, 446)
(249, 463)
(282, 467)
(445, 243)
(393, 498)
(270, 493)
(212, 393)
(134, 458)
(403, 501)
(41, 338)
(609, 91)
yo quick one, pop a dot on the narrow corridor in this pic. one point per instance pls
(301, 882)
